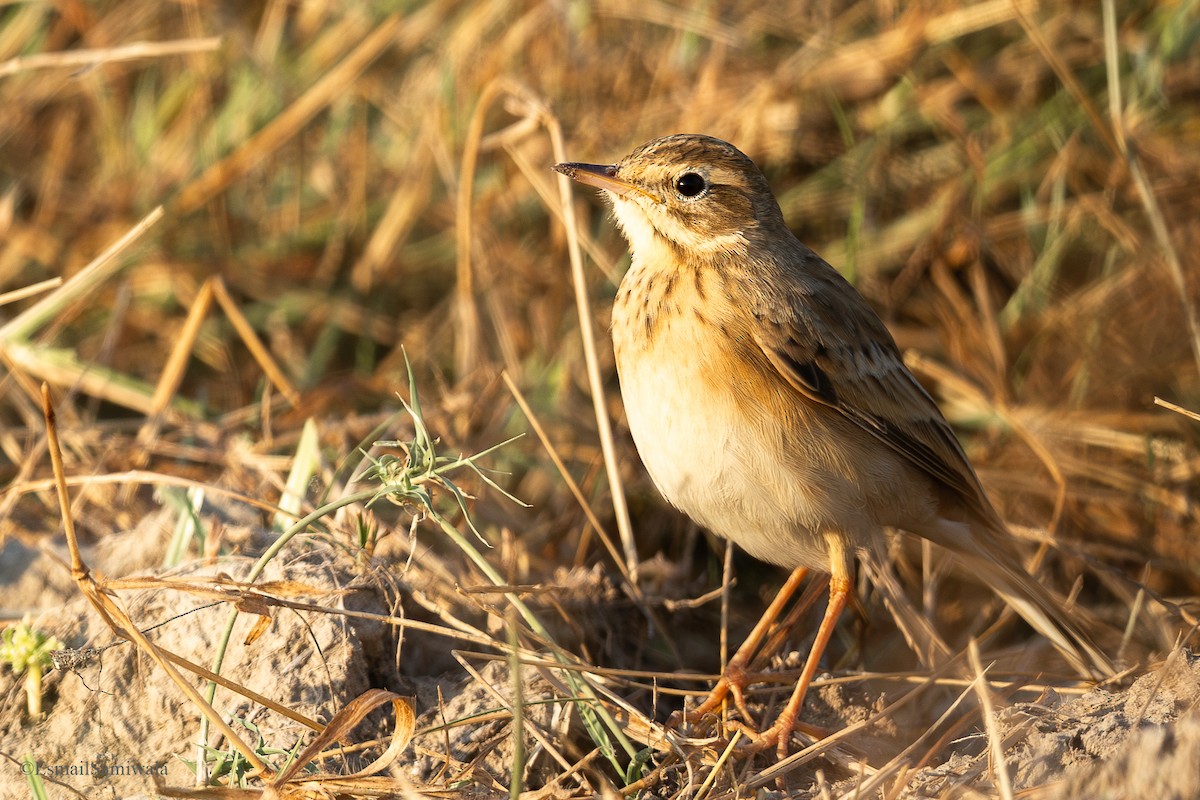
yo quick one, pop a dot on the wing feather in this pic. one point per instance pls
(860, 373)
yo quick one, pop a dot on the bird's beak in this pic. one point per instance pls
(602, 176)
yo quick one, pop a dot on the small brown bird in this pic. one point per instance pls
(770, 404)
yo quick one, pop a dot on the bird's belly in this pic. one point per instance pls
(721, 455)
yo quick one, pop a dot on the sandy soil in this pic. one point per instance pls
(121, 713)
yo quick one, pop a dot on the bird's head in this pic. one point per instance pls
(696, 194)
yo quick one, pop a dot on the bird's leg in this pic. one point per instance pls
(780, 734)
(816, 589)
(733, 678)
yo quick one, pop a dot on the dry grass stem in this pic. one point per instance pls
(95, 58)
(30, 291)
(583, 306)
(995, 741)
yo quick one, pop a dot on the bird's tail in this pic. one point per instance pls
(993, 565)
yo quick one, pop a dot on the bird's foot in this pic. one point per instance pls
(733, 682)
(778, 735)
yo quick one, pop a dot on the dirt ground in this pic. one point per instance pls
(120, 713)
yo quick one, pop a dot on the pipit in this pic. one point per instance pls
(771, 405)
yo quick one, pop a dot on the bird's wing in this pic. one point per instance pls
(833, 349)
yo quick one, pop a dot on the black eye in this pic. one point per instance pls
(690, 184)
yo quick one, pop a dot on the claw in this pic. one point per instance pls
(735, 677)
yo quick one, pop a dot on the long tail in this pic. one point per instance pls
(993, 565)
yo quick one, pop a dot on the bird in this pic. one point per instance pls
(770, 403)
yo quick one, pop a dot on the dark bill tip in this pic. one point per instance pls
(572, 169)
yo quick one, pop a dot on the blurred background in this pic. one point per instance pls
(1013, 186)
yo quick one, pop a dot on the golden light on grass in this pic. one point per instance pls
(1011, 184)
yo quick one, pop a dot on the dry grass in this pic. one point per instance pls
(1013, 186)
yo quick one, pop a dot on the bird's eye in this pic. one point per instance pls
(690, 184)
